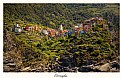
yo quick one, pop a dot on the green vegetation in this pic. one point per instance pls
(36, 47)
(52, 15)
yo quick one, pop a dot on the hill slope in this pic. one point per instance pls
(33, 51)
(52, 15)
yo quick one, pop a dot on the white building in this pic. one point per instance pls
(17, 28)
(61, 28)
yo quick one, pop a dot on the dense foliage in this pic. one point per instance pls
(70, 50)
(52, 15)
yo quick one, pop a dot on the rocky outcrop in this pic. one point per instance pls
(12, 59)
(105, 67)
(108, 67)
(87, 68)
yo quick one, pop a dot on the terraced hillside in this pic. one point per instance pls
(33, 51)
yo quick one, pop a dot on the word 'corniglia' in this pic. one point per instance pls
(62, 76)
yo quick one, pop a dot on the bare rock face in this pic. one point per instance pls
(115, 66)
(11, 65)
(108, 67)
(12, 60)
(114, 70)
(88, 68)
(6, 68)
(26, 69)
(105, 67)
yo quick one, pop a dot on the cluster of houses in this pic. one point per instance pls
(17, 28)
(86, 26)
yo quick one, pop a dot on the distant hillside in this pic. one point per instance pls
(52, 15)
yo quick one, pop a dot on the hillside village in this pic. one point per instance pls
(87, 26)
(90, 45)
